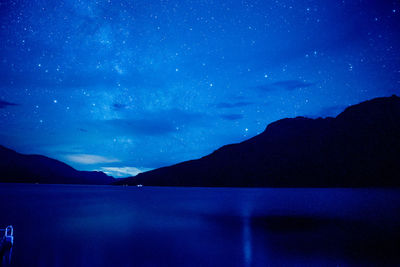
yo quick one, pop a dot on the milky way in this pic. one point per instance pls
(127, 86)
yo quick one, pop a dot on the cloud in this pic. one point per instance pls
(288, 85)
(89, 159)
(330, 111)
(233, 105)
(118, 106)
(154, 123)
(232, 117)
(4, 104)
(120, 172)
(292, 84)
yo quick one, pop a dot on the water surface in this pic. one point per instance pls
(69, 225)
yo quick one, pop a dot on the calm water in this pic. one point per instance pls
(63, 225)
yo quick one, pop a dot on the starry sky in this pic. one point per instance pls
(128, 86)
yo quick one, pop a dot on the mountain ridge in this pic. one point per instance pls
(358, 148)
(22, 168)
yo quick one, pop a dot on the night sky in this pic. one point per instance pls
(128, 86)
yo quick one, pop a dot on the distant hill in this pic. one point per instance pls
(358, 148)
(19, 168)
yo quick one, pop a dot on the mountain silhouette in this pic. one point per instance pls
(19, 168)
(358, 148)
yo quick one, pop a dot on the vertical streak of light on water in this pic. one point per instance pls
(247, 249)
(247, 213)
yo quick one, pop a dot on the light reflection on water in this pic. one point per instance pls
(247, 241)
(58, 225)
(246, 211)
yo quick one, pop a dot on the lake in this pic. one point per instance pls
(71, 225)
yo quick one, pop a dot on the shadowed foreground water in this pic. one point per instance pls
(64, 225)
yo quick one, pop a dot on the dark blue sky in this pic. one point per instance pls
(123, 86)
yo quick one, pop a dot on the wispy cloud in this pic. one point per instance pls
(233, 105)
(122, 171)
(155, 123)
(118, 106)
(330, 111)
(4, 104)
(288, 85)
(292, 84)
(232, 117)
(89, 159)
